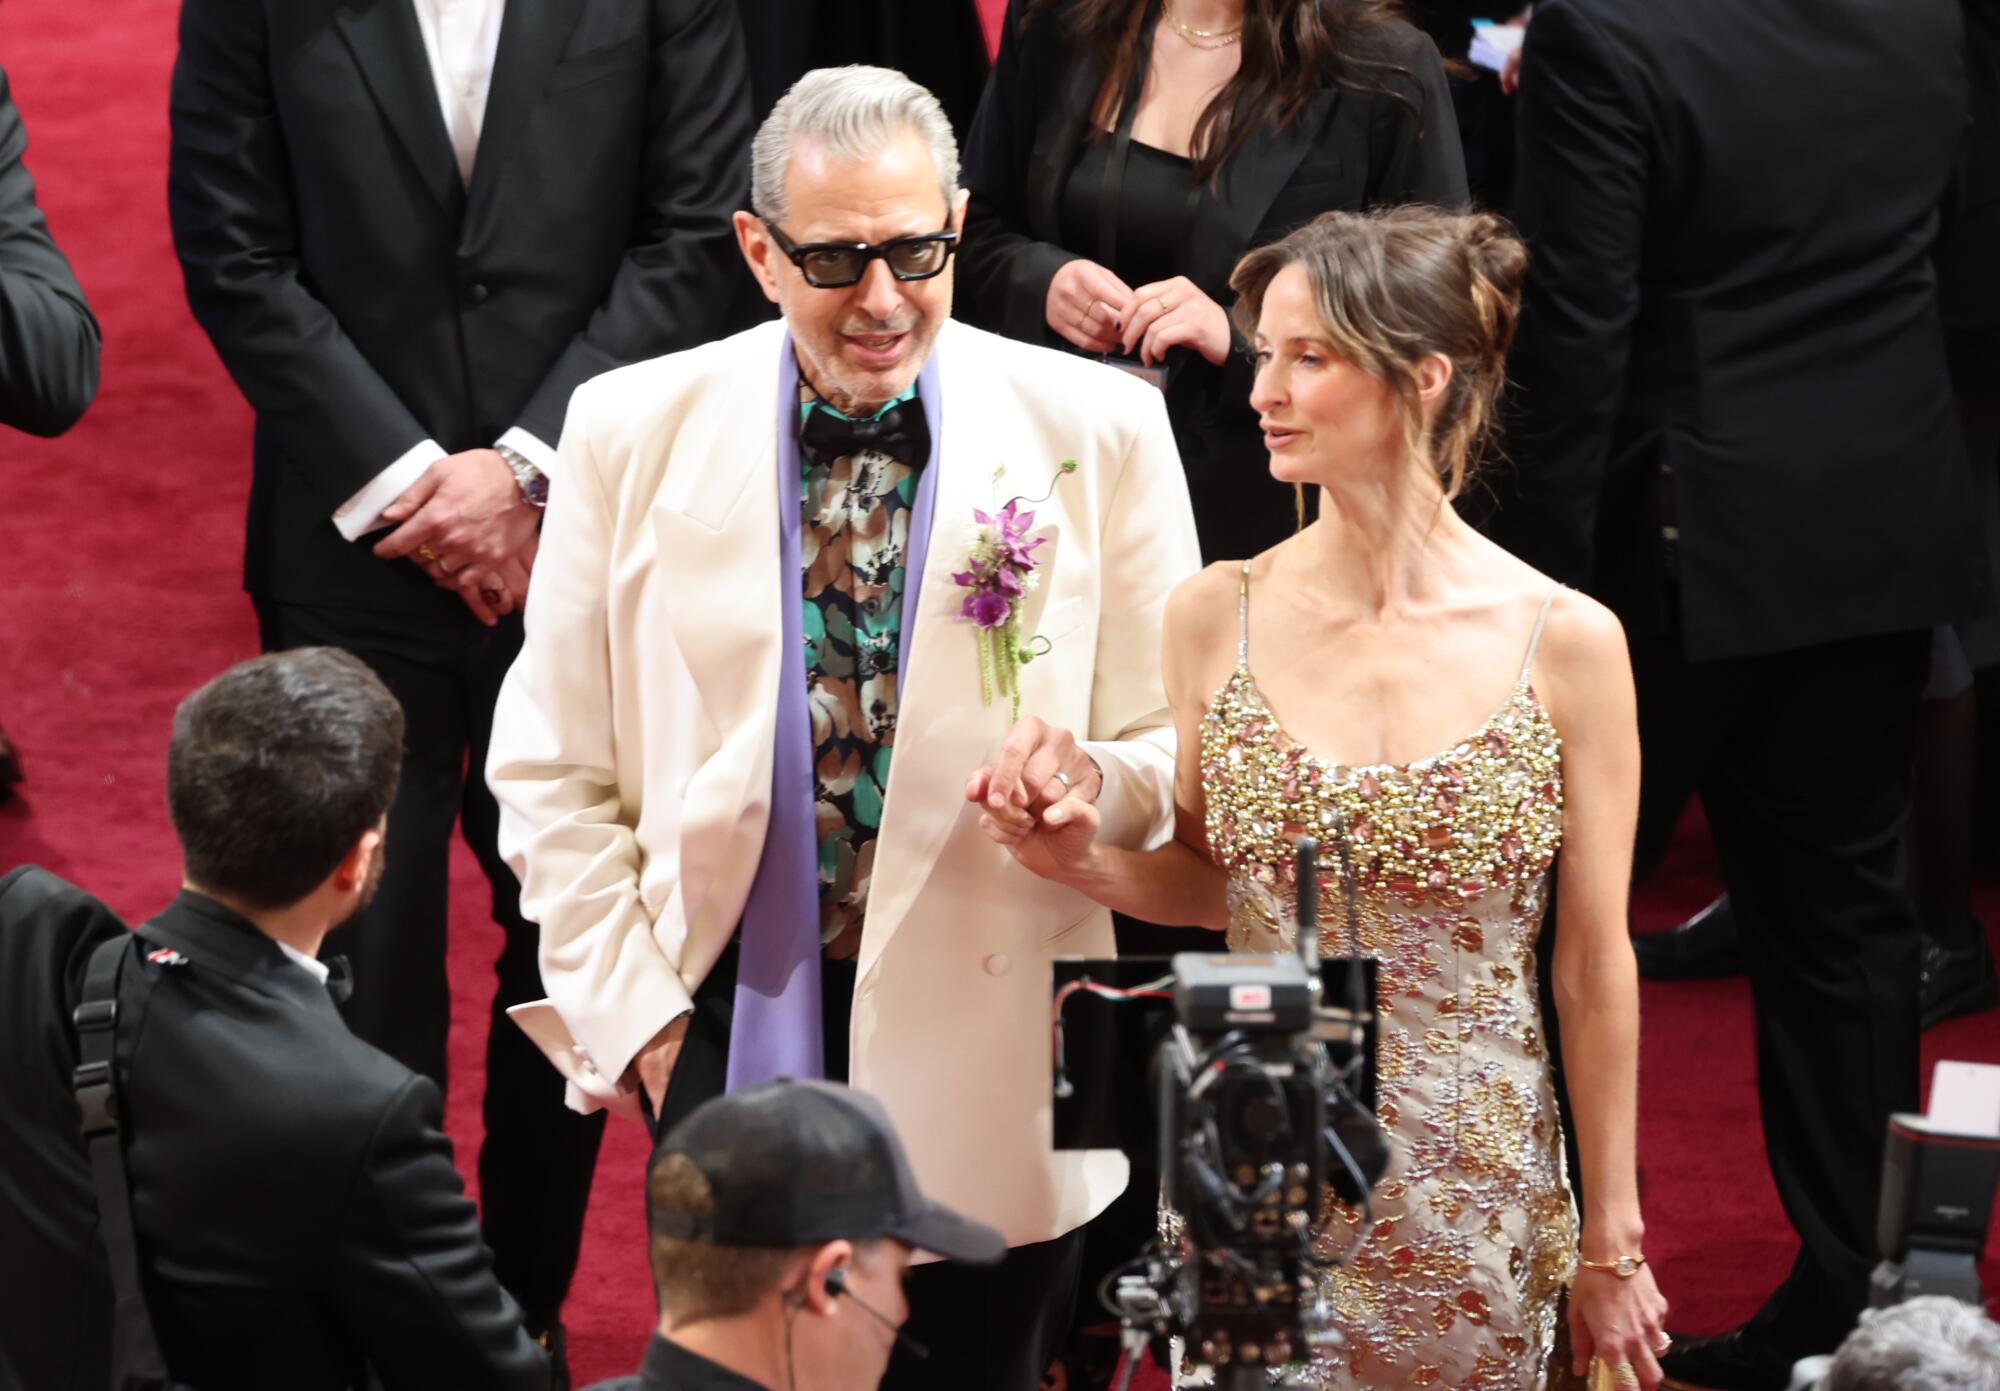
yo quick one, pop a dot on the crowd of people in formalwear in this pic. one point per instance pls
(835, 528)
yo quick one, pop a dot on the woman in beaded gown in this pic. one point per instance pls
(1391, 676)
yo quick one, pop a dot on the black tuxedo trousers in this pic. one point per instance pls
(536, 1164)
(1803, 762)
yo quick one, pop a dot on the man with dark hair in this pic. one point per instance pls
(784, 1217)
(297, 1215)
(411, 228)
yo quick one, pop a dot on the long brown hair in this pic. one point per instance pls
(1395, 286)
(1291, 49)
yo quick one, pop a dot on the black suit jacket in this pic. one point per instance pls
(48, 340)
(365, 299)
(55, 1296)
(1731, 210)
(1347, 150)
(299, 1219)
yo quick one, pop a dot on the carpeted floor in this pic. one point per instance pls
(119, 552)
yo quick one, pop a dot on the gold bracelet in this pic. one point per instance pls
(1625, 1267)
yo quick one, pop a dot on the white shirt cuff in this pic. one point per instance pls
(362, 513)
(533, 449)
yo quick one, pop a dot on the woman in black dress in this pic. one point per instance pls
(1128, 152)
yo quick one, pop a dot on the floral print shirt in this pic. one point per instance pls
(855, 512)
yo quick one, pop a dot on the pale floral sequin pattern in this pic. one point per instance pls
(1455, 1279)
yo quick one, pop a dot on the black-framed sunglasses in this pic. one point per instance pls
(834, 265)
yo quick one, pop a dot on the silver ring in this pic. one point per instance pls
(1062, 778)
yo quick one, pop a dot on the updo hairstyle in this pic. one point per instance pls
(1394, 286)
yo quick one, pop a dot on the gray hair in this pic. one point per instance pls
(1926, 1344)
(854, 112)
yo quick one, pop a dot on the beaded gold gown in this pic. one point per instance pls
(1456, 1279)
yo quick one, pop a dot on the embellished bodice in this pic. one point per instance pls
(1482, 817)
(1453, 1277)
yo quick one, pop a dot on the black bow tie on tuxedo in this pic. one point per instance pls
(339, 978)
(901, 432)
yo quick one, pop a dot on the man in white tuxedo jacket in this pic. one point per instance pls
(744, 754)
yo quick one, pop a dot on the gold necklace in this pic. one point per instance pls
(1195, 37)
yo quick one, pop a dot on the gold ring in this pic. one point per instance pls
(1625, 1374)
(425, 553)
(1088, 307)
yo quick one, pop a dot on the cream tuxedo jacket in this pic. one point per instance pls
(632, 746)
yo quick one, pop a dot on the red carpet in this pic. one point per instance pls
(119, 554)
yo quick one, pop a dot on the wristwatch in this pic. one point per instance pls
(533, 483)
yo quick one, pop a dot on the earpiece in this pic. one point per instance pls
(836, 1281)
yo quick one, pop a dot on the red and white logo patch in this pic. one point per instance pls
(166, 956)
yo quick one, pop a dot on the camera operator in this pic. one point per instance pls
(293, 1204)
(784, 1217)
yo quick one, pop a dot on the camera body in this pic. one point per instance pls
(1262, 1104)
(1244, 1106)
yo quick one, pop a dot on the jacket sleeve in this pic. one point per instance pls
(48, 339)
(1415, 155)
(411, 1276)
(682, 271)
(235, 227)
(1005, 271)
(566, 826)
(1147, 547)
(1581, 205)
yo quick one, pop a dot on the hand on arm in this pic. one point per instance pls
(1596, 980)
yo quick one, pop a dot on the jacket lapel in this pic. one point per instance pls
(715, 521)
(533, 35)
(1227, 221)
(943, 731)
(389, 48)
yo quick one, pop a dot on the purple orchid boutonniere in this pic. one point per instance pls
(1000, 573)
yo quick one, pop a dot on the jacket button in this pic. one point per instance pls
(477, 292)
(996, 964)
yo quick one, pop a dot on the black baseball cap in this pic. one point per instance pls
(796, 1163)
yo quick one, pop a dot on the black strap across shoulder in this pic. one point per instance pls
(136, 1360)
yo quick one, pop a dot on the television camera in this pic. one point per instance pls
(1261, 1103)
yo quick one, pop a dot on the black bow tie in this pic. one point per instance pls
(339, 978)
(901, 432)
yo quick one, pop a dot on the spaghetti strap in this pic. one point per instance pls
(1535, 638)
(1243, 620)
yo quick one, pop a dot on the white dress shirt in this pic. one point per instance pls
(461, 38)
(319, 968)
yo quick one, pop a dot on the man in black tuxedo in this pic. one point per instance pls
(411, 229)
(55, 1322)
(48, 338)
(298, 1220)
(1733, 424)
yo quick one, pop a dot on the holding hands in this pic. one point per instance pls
(1039, 799)
(467, 526)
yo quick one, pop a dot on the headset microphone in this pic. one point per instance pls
(836, 1285)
